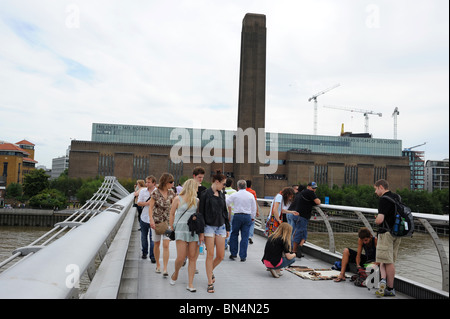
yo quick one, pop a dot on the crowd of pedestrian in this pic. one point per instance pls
(227, 216)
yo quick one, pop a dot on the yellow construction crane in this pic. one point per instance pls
(314, 97)
(365, 112)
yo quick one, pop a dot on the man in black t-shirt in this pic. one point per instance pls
(303, 203)
(387, 246)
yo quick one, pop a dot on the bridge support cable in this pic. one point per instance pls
(55, 271)
(108, 196)
(441, 251)
(332, 246)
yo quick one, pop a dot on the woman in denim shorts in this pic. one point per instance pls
(214, 212)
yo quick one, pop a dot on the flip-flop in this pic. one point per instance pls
(210, 288)
(339, 279)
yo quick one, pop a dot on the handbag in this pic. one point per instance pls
(161, 228)
(271, 225)
(171, 232)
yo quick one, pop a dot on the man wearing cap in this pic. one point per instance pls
(303, 203)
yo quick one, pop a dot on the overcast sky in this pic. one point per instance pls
(67, 64)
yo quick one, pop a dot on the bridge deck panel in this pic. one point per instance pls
(242, 280)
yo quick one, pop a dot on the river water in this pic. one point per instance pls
(418, 258)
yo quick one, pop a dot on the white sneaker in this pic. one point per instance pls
(381, 288)
(172, 282)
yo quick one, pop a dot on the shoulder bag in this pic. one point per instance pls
(171, 232)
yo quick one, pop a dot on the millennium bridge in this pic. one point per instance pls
(95, 253)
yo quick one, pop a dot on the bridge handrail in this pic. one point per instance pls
(70, 257)
(89, 210)
(54, 272)
(444, 218)
(424, 219)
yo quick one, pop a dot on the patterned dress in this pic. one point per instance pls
(161, 209)
(180, 223)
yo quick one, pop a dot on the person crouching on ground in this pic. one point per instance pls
(367, 242)
(277, 244)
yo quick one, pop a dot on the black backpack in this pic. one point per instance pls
(404, 220)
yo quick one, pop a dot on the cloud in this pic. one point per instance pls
(175, 63)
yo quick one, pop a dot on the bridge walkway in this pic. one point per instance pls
(234, 279)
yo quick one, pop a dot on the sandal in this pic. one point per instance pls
(213, 278)
(339, 279)
(210, 288)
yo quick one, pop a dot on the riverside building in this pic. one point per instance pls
(132, 151)
(270, 161)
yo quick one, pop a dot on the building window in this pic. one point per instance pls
(351, 175)
(18, 174)
(106, 165)
(321, 174)
(379, 173)
(141, 167)
(5, 169)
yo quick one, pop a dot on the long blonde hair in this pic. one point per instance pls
(285, 232)
(189, 192)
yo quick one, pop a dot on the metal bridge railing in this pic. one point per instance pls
(53, 264)
(334, 220)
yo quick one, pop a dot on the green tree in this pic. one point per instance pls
(14, 194)
(14, 190)
(35, 182)
(441, 196)
(436, 202)
(49, 199)
(420, 201)
(88, 189)
(68, 186)
(128, 184)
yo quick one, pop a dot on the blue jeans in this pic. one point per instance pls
(300, 229)
(252, 229)
(211, 231)
(145, 233)
(286, 263)
(290, 220)
(242, 223)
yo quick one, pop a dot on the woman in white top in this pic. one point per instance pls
(281, 203)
